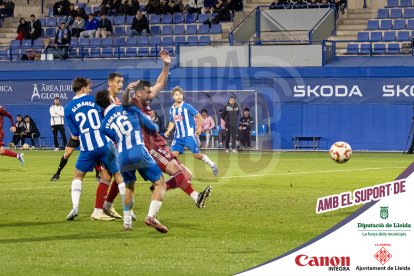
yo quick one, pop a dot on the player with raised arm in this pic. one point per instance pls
(9, 153)
(156, 144)
(122, 125)
(182, 117)
(84, 118)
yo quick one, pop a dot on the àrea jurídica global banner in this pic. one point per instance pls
(345, 90)
(378, 239)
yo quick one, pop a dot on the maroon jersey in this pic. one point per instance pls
(3, 112)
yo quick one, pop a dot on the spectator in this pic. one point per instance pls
(57, 122)
(90, 26)
(17, 135)
(71, 16)
(61, 8)
(30, 130)
(245, 128)
(236, 5)
(108, 7)
(139, 25)
(104, 27)
(81, 12)
(6, 9)
(222, 130)
(173, 7)
(35, 30)
(153, 6)
(158, 121)
(340, 5)
(23, 30)
(207, 127)
(277, 4)
(78, 26)
(50, 48)
(195, 6)
(62, 40)
(312, 4)
(223, 12)
(208, 6)
(128, 7)
(230, 116)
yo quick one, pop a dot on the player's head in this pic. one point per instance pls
(232, 100)
(177, 94)
(102, 98)
(81, 86)
(57, 101)
(143, 91)
(115, 83)
(246, 112)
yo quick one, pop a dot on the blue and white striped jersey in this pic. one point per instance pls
(84, 117)
(183, 117)
(122, 125)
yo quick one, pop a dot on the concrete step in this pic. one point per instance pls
(4, 41)
(361, 16)
(8, 30)
(343, 37)
(352, 27)
(10, 36)
(362, 11)
(347, 33)
(355, 21)
(291, 35)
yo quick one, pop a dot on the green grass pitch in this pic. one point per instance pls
(262, 205)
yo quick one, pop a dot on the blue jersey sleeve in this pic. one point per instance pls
(72, 128)
(192, 110)
(144, 120)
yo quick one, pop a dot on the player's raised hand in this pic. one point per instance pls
(165, 56)
(132, 85)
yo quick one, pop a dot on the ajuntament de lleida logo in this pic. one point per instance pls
(384, 212)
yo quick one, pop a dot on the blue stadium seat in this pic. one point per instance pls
(15, 43)
(363, 36)
(192, 40)
(409, 13)
(178, 18)
(50, 22)
(399, 24)
(393, 48)
(111, 18)
(191, 29)
(202, 17)
(129, 19)
(180, 39)
(26, 42)
(166, 18)
(376, 36)
(128, 29)
(373, 24)
(42, 21)
(352, 49)
(96, 9)
(403, 36)
(143, 40)
(120, 41)
(107, 41)
(389, 36)
(4, 54)
(379, 49)
(131, 40)
(203, 29)
(119, 30)
(178, 29)
(131, 52)
(88, 10)
(382, 13)
(50, 32)
(365, 49)
(83, 41)
(155, 30)
(396, 13)
(60, 19)
(119, 20)
(154, 19)
(49, 12)
(167, 41)
(405, 3)
(39, 42)
(215, 29)
(386, 24)
(167, 30)
(153, 51)
(190, 18)
(155, 39)
(143, 52)
(170, 50)
(15, 54)
(95, 52)
(410, 24)
(392, 3)
(74, 52)
(94, 41)
(204, 40)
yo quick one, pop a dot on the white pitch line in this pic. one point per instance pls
(229, 177)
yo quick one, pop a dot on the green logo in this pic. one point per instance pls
(384, 212)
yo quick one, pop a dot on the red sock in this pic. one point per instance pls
(171, 184)
(183, 182)
(113, 192)
(100, 195)
(10, 153)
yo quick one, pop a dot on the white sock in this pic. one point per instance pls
(76, 192)
(154, 208)
(194, 196)
(207, 160)
(127, 218)
(121, 188)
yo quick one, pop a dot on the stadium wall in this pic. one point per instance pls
(371, 107)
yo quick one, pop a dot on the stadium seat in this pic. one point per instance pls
(379, 49)
(393, 48)
(399, 24)
(191, 29)
(15, 54)
(396, 13)
(96, 9)
(373, 24)
(167, 30)
(15, 43)
(180, 40)
(131, 52)
(215, 29)
(143, 40)
(129, 19)
(386, 24)
(50, 32)
(389, 36)
(382, 13)
(167, 41)
(155, 30)
(204, 40)
(392, 3)
(155, 40)
(190, 18)
(107, 41)
(178, 29)
(352, 49)
(94, 41)
(119, 20)
(143, 52)
(88, 10)
(203, 29)
(83, 41)
(39, 42)
(119, 30)
(178, 18)
(376, 36)
(131, 40)
(73, 42)
(49, 12)
(95, 52)
(120, 41)
(409, 13)
(363, 36)
(405, 3)
(153, 51)
(26, 43)
(60, 19)
(154, 19)
(166, 19)
(202, 17)
(110, 18)
(192, 40)
(4, 54)
(127, 29)
(365, 49)
(42, 21)
(50, 22)
(403, 36)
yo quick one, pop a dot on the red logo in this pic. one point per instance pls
(178, 118)
(383, 255)
(304, 260)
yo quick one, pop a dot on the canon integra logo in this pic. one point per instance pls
(301, 91)
(392, 90)
(304, 260)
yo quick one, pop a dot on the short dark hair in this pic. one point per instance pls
(114, 75)
(32, 15)
(19, 115)
(79, 83)
(57, 98)
(232, 97)
(142, 84)
(26, 116)
(102, 98)
(246, 109)
(91, 14)
(204, 110)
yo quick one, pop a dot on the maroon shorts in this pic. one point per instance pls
(1, 138)
(162, 156)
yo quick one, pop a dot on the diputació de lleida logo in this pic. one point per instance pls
(384, 212)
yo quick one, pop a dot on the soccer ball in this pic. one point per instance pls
(340, 152)
(25, 146)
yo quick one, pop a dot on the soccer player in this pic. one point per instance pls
(122, 125)
(19, 156)
(84, 121)
(182, 117)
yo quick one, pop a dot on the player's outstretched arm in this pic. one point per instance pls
(163, 77)
(199, 123)
(170, 127)
(126, 97)
(147, 122)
